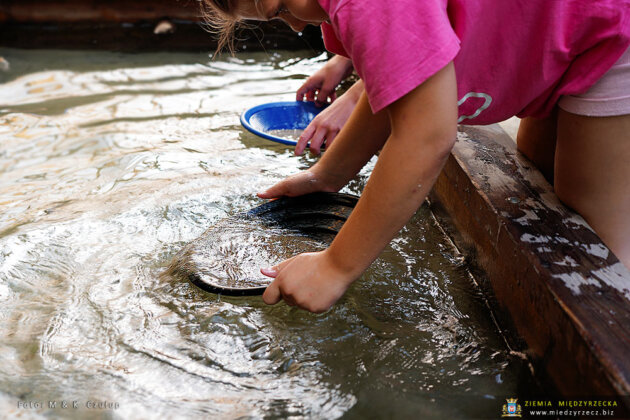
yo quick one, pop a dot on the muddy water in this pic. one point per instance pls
(110, 164)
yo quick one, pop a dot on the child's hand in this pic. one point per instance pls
(320, 87)
(304, 182)
(329, 122)
(309, 281)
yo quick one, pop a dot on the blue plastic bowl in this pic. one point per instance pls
(279, 116)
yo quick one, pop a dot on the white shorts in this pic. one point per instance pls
(609, 96)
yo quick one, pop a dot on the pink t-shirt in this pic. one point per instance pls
(512, 57)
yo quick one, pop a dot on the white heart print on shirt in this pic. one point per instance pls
(473, 108)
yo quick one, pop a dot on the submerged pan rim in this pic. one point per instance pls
(265, 211)
(226, 291)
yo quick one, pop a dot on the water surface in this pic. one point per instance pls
(109, 165)
(288, 134)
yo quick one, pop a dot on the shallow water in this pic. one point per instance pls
(289, 134)
(109, 165)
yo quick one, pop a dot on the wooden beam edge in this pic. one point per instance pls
(566, 293)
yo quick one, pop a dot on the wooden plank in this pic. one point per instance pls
(566, 292)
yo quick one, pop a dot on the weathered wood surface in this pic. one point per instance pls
(129, 26)
(566, 293)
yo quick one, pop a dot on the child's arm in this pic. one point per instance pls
(423, 131)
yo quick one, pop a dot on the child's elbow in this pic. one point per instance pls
(442, 139)
(449, 137)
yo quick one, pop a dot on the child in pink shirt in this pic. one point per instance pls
(428, 65)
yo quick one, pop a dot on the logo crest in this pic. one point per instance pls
(511, 409)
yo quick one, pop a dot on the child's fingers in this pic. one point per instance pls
(317, 140)
(299, 95)
(273, 271)
(290, 187)
(308, 85)
(304, 138)
(302, 91)
(276, 191)
(269, 271)
(272, 294)
(325, 92)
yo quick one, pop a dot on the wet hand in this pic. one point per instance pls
(310, 281)
(326, 125)
(320, 87)
(317, 89)
(299, 184)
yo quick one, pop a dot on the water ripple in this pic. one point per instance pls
(109, 167)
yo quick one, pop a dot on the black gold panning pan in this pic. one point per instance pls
(226, 259)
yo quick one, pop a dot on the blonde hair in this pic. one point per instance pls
(221, 21)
